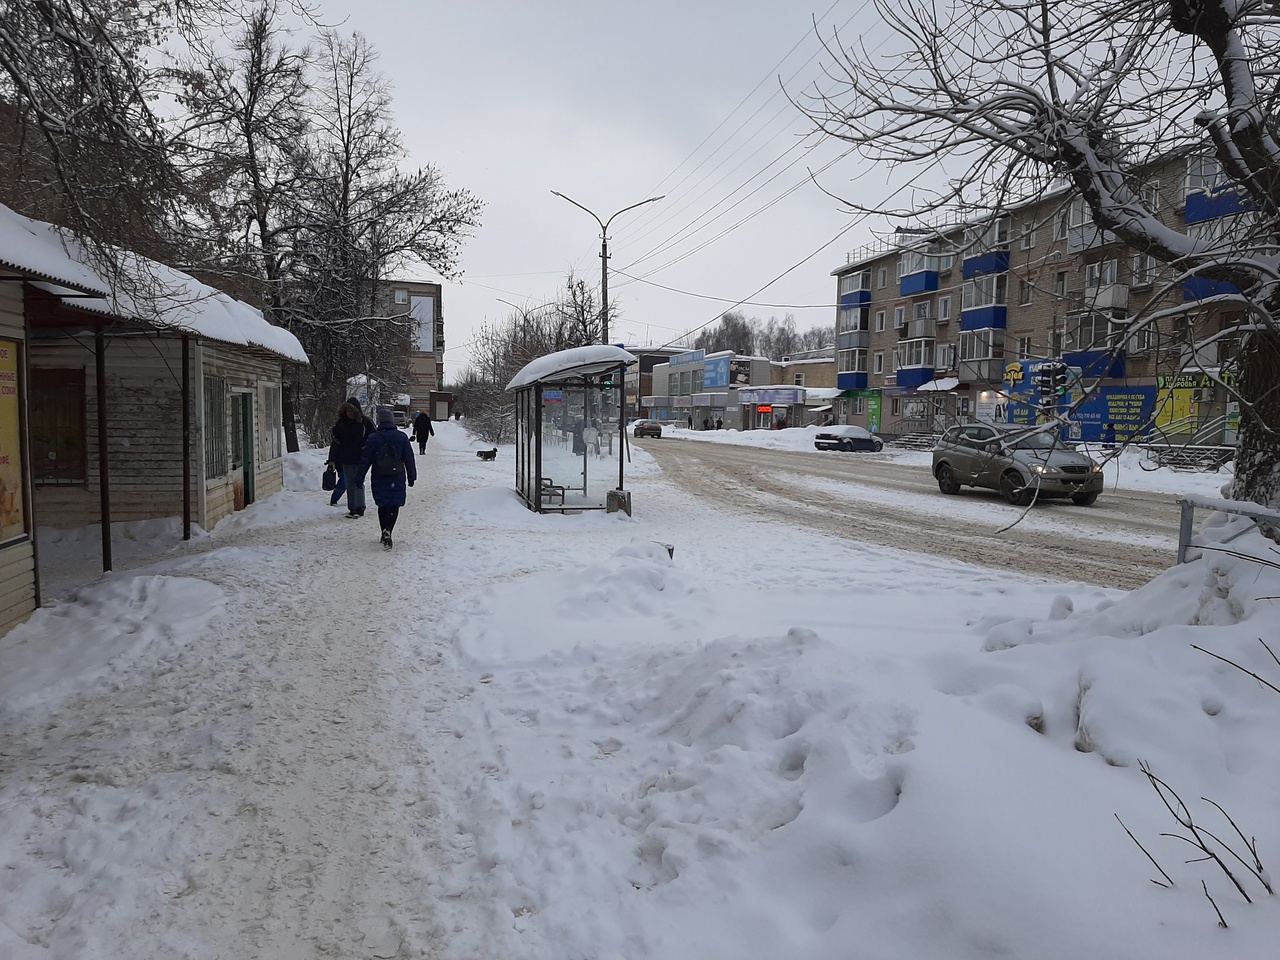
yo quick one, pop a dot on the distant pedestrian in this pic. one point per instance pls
(719, 424)
(388, 469)
(423, 430)
(706, 423)
(591, 438)
(349, 435)
(691, 421)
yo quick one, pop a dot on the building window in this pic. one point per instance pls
(914, 353)
(878, 363)
(853, 319)
(272, 424)
(798, 380)
(58, 428)
(1102, 273)
(1094, 331)
(920, 310)
(879, 321)
(1060, 283)
(895, 406)
(1028, 240)
(1024, 348)
(946, 353)
(986, 291)
(855, 406)
(402, 296)
(1024, 292)
(882, 277)
(986, 344)
(1144, 270)
(1151, 195)
(1060, 225)
(944, 309)
(854, 282)
(850, 361)
(216, 463)
(1203, 173)
(899, 316)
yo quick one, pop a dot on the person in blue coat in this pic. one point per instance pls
(388, 458)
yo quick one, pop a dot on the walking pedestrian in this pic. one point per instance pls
(388, 458)
(349, 435)
(341, 486)
(719, 423)
(423, 430)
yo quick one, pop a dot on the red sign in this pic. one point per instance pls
(764, 408)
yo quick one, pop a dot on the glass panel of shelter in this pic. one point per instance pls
(576, 446)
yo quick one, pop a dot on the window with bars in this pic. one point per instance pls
(58, 428)
(216, 463)
(272, 425)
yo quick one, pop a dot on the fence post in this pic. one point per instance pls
(1184, 529)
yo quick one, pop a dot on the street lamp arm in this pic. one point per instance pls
(632, 207)
(557, 193)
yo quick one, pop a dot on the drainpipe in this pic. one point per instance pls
(186, 437)
(104, 474)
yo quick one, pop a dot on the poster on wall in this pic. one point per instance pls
(739, 373)
(715, 373)
(423, 309)
(12, 512)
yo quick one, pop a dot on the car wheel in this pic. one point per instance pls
(1084, 499)
(846, 446)
(1014, 490)
(876, 446)
(947, 481)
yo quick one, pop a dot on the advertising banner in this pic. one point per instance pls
(739, 372)
(1129, 409)
(715, 373)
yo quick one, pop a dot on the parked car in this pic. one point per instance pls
(847, 438)
(647, 428)
(401, 417)
(1023, 463)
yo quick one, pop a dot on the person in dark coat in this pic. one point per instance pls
(423, 430)
(388, 489)
(349, 435)
(341, 487)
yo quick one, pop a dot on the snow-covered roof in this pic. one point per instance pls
(821, 393)
(575, 362)
(178, 301)
(41, 251)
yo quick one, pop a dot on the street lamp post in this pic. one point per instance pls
(604, 256)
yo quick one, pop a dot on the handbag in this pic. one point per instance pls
(329, 481)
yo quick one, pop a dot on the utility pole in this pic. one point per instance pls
(604, 256)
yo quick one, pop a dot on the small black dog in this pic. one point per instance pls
(487, 454)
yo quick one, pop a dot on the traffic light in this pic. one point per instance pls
(1060, 377)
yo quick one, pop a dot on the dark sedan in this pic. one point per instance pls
(647, 428)
(847, 438)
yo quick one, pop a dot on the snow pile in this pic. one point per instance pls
(680, 735)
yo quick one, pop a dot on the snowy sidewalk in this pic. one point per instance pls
(260, 793)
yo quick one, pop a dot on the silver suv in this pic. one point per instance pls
(1023, 463)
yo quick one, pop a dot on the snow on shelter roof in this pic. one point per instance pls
(575, 362)
(173, 300)
(40, 251)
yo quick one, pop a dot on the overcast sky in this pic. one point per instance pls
(611, 103)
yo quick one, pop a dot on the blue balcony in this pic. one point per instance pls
(997, 261)
(922, 282)
(1096, 364)
(851, 381)
(979, 318)
(914, 376)
(855, 298)
(1199, 288)
(1223, 202)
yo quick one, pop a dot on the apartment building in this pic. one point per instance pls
(424, 363)
(951, 322)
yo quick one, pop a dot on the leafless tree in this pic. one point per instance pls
(996, 100)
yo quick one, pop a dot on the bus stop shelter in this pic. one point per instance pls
(570, 435)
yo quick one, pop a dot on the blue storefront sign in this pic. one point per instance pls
(715, 373)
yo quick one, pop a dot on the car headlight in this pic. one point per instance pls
(1096, 468)
(1039, 468)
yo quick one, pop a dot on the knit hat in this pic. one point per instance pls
(385, 418)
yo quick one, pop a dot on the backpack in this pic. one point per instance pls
(387, 462)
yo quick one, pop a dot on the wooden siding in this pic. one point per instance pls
(144, 432)
(17, 559)
(243, 370)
